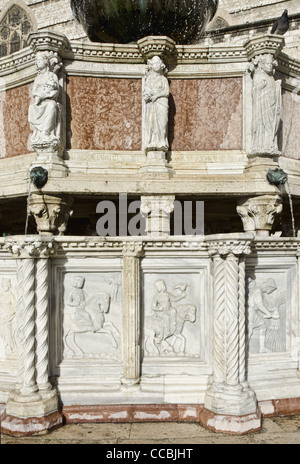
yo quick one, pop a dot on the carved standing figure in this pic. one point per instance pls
(259, 312)
(7, 316)
(156, 95)
(45, 112)
(266, 105)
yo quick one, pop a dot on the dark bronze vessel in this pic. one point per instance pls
(124, 21)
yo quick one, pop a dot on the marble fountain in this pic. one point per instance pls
(110, 316)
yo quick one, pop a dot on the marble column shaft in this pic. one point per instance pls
(132, 252)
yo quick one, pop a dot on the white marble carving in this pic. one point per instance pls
(266, 104)
(45, 112)
(163, 329)
(86, 314)
(266, 316)
(7, 317)
(156, 97)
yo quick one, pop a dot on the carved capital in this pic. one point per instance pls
(51, 213)
(49, 41)
(226, 249)
(161, 46)
(258, 213)
(133, 249)
(30, 247)
(264, 44)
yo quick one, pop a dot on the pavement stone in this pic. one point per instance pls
(276, 430)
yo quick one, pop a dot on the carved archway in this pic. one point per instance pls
(15, 24)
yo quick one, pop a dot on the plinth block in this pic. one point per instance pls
(23, 427)
(234, 425)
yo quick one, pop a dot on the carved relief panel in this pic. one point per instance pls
(174, 314)
(8, 312)
(88, 317)
(270, 304)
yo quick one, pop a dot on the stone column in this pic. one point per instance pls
(157, 210)
(258, 213)
(51, 213)
(50, 143)
(32, 407)
(132, 253)
(230, 404)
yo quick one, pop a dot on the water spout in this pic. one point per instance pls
(38, 177)
(279, 177)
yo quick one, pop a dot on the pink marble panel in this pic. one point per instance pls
(290, 131)
(104, 114)
(206, 114)
(14, 126)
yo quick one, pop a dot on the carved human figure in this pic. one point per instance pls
(260, 312)
(156, 96)
(88, 316)
(77, 300)
(266, 105)
(44, 113)
(164, 328)
(7, 316)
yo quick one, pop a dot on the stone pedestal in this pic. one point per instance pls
(32, 407)
(229, 399)
(156, 164)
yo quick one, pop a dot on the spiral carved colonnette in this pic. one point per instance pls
(232, 321)
(42, 323)
(20, 323)
(29, 385)
(219, 302)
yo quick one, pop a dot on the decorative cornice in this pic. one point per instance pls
(49, 41)
(264, 44)
(30, 247)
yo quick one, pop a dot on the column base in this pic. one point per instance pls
(23, 427)
(224, 399)
(234, 425)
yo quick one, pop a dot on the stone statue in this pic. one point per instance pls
(45, 112)
(266, 105)
(7, 316)
(156, 96)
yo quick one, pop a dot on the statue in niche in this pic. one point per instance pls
(266, 105)
(156, 96)
(7, 316)
(87, 316)
(45, 112)
(265, 317)
(163, 330)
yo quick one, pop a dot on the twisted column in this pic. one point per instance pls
(29, 385)
(229, 393)
(242, 320)
(219, 314)
(232, 321)
(132, 253)
(42, 325)
(20, 323)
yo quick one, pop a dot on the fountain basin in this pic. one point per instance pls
(124, 21)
